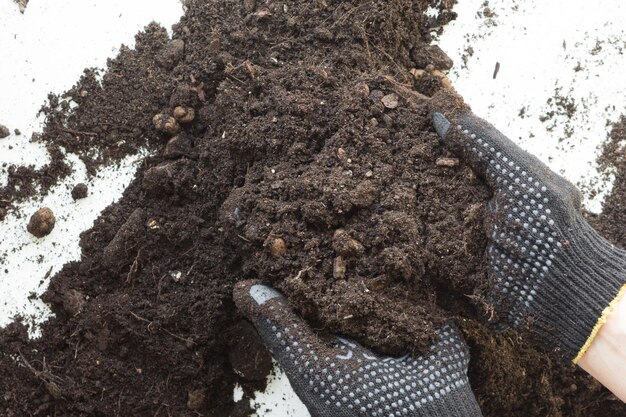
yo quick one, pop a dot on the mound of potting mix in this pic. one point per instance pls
(291, 142)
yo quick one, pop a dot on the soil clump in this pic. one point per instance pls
(292, 143)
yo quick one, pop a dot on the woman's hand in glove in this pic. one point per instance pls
(339, 378)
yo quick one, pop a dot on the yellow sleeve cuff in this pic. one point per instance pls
(601, 322)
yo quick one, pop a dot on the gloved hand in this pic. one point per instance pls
(550, 271)
(336, 377)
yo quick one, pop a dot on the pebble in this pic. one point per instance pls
(390, 100)
(376, 95)
(418, 73)
(278, 247)
(443, 78)
(4, 131)
(184, 114)
(41, 223)
(166, 124)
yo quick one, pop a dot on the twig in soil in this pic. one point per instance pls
(411, 96)
(400, 69)
(50, 380)
(188, 341)
(76, 132)
(489, 309)
(136, 161)
(132, 273)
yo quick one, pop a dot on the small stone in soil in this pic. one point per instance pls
(390, 100)
(166, 124)
(376, 95)
(80, 191)
(4, 131)
(184, 114)
(41, 223)
(278, 247)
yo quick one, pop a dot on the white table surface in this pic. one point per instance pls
(537, 43)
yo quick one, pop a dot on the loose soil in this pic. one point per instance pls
(311, 164)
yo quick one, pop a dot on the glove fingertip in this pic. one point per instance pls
(442, 124)
(251, 296)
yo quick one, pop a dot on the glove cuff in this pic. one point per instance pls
(575, 306)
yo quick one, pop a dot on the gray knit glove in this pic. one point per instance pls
(336, 377)
(551, 272)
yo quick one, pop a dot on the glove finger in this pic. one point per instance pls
(489, 152)
(286, 335)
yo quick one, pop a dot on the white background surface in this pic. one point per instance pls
(537, 43)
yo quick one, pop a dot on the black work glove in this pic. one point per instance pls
(551, 272)
(336, 377)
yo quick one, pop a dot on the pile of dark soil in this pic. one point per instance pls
(311, 164)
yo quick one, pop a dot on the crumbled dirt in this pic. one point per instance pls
(41, 222)
(303, 156)
(22, 4)
(80, 191)
(611, 222)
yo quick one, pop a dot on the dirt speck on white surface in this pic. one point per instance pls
(4, 131)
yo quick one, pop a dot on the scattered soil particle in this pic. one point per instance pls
(171, 53)
(611, 222)
(41, 222)
(80, 191)
(22, 5)
(4, 131)
(291, 161)
(425, 55)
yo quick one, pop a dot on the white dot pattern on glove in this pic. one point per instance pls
(352, 378)
(525, 240)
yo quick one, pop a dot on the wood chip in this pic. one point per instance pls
(447, 162)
